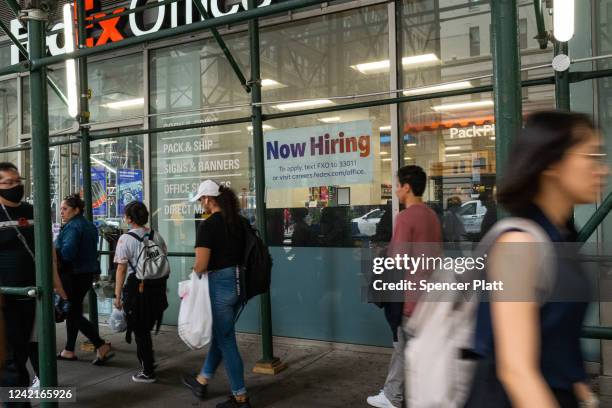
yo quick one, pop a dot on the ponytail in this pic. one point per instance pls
(230, 208)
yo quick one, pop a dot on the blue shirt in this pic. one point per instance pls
(77, 243)
(561, 360)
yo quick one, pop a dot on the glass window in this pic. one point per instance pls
(450, 42)
(453, 140)
(59, 119)
(117, 93)
(8, 118)
(341, 54)
(117, 88)
(523, 33)
(5, 56)
(474, 41)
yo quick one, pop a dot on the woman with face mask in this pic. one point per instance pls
(76, 248)
(219, 250)
(529, 343)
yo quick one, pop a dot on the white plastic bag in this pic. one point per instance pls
(195, 314)
(116, 321)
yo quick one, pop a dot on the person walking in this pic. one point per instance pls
(77, 257)
(417, 231)
(219, 249)
(141, 254)
(530, 350)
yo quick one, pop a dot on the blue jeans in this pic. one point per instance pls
(223, 346)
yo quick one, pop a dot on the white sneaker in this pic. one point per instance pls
(35, 383)
(380, 401)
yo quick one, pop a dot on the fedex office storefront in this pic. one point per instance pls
(328, 175)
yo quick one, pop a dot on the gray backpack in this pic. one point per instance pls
(152, 261)
(436, 374)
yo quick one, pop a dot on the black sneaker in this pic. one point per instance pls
(199, 390)
(141, 377)
(233, 403)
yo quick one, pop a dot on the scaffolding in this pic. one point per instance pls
(506, 86)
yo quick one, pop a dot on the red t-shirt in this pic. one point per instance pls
(416, 224)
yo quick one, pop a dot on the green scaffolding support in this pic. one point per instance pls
(506, 77)
(85, 140)
(268, 363)
(42, 196)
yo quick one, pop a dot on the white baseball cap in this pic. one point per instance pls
(207, 188)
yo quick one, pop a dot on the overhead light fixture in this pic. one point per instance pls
(492, 138)
(407, 158)
(331, 119)
(377, 67)
(107, 142)
(420, 59)
(463, 106)
(128, 103)
(439, 88)
(71, 78)
(264, 127)
(563, 20)
(106, 166)
(453, 148)
(313, 103)
(410, 144)
(385, 128)
(453, 155)
(388, 159)
(384, 153)
(271, 84)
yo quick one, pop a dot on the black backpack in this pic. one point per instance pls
(256, 270)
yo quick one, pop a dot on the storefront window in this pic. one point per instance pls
(441, 41)
(453, 140)
(117, 93)
(194, 83)
(59, 119)
(5, 56)
(117, 88)
(8, 118)
(322, 57)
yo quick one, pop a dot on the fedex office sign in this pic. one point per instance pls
(117, 28)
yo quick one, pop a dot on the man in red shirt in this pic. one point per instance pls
(417, 232)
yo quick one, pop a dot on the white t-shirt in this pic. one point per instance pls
(128, 247)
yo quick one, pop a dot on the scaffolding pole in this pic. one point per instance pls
(506, 78)
(562, 80)
(85, 141)
(42, 197)
(268, 363)
(228, 54)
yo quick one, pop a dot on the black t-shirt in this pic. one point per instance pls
(16, 263)
(226, 248)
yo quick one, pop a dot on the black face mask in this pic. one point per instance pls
(14, 195)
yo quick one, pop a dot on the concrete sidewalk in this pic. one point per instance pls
(319, 374)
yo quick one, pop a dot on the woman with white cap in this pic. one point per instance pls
(219, 250)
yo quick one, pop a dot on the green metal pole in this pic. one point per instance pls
(506, 78)
(30, 291)
(268, 360)
(85, 140)
(42, 198)
(597, 218)
(14, 6)
(562, 82)
(228, 54)
(542, 36)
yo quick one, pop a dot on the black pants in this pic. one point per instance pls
(144, 349)
(76, 287)
(18, 320)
